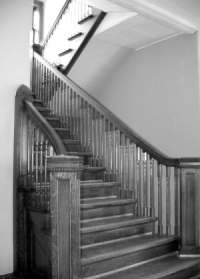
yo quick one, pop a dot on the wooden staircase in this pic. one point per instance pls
(116, 242)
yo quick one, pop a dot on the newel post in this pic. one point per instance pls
(190, 205)
(65, 215)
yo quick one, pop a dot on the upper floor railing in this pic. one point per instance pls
(68, 34)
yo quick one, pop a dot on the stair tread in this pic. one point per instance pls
(98, 202)
(106, 223)
(43, 109)
(122, 247)
(66, 141)
(80, 153)
(52, 118)
(99, 184)
(93, 168)
(155, 269)
(83, 182)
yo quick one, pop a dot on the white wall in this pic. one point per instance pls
(98, 65)
(15, 22)
(51, 11)
(157, 94)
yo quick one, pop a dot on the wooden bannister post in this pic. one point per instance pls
(190, 214)
(65, 215)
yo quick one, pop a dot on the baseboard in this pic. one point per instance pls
(7, 276)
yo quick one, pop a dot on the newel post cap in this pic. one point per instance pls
(64, 163)
(24, 93)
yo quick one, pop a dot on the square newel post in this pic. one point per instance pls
(65, 215)
(190, 206)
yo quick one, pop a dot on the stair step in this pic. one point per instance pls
(116, 222)
(63, 133)
(72, 145)
(117, 254)
(170, 267)
(115, 227)
(90, 181)
(85, 19)
(100, 189)
(103, 207)
(44, 111)
(65, 52)
(37, 103)
(101, 202)
(75, 36)
(54, 121)
(92, 173)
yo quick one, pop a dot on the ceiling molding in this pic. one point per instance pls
(166, 18)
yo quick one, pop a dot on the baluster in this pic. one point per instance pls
(134, 169)
(113, 153)
(100, 140)
(65, 121)
(42, 83)
(140, 182)
(76, 116)
(41, 168)
(89, 123)
(86, 125)
(160, 185)
(33, 74)
(123, 166)
(104, 142)
(72, 111)
(177, 201)
(168, 200)
(109, 161)
(129, 169)
(119, 173)
(81, 122)
(152, 185)
(145, 187)
(46, 196)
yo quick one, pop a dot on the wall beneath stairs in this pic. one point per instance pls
(156, 93)
(15, 22)
(98, 65)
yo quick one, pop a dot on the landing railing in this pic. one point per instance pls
(144, 173)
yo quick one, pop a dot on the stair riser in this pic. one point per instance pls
(37, 104)
(129, 259)
(101, 191)
(73, 147)
(107, 211)
(96, 237)
(92, 175)
(64, 134)
(54, 123)
(45, 113)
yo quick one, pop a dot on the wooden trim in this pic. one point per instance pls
(124, 128)
(85, 42)
(55, 22)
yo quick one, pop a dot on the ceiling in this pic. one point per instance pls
(137, 27)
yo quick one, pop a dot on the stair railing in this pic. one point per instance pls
(46, 178)
(65, 26)
(144, 172)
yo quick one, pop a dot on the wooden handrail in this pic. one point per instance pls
(25, 94)
(129, 132)
(46, 128)
(55, 22)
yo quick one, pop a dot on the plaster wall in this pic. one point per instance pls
(15, 22)
(98, 65)
(156, 92)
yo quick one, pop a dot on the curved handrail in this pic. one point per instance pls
(129, 132)
(25, 96)
(46, 128)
